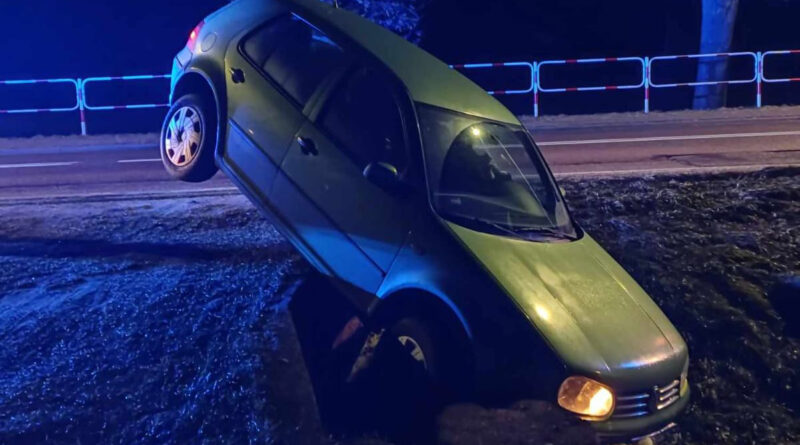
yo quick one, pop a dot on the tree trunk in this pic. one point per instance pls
(719, 18)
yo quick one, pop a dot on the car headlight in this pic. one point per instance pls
(586, 397)
(685, 378)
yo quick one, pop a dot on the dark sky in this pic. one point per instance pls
(81, 38)
(90, 37)
(85, 38)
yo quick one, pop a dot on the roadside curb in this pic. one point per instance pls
(110, 197)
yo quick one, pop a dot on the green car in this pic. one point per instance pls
(428, 204)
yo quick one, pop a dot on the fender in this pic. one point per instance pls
(397, 299)
(214, 79)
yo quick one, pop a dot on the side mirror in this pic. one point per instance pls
(382, 174)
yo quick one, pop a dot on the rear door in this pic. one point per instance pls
(273, 73)
(355, 227)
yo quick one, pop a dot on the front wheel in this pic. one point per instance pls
(440, 353)
(188, 138)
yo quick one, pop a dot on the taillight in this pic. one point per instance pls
(193, 36)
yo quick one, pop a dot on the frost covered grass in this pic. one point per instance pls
(138, 323)
(708, 249)
(167, 322)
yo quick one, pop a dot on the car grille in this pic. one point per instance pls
(644, 403)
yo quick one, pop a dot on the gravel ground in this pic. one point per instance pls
(167, 321)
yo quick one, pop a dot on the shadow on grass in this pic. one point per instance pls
(389, 399)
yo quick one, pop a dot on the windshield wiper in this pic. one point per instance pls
(482, 222)
(496, 226)
(546, 231)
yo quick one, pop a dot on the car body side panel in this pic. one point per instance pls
(269, 211)
(337, 253)
(375, 220)
(251, 162)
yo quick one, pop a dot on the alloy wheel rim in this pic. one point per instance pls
(414, 349)
(184, 136)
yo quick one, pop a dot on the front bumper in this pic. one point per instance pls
(640, 427)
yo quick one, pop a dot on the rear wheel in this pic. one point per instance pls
(188, 139)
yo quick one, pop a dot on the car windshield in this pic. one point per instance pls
(490, 177)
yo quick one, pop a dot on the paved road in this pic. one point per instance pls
(633, 148)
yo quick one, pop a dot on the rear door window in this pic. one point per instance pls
(295, 55)
(364, 118)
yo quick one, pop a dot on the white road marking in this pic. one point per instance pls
(38, 164)
(693, 137)
(137, 161)
(655, 171)
(189, 193)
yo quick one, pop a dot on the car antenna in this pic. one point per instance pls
(336, 4)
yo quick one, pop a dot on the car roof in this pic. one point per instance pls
(428, 80)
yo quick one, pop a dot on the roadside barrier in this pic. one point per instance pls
(638, 60)
(75, 84)
(535, 88)
(777, 53)
(87, 106)
(530, 66)
(756, 78)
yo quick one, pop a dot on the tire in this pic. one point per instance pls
(188, 139)
(443, 355)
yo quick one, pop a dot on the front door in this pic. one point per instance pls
(354, 226)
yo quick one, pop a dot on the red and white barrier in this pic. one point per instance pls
(535, 87)
(530, 66)
(710, 82)
(777, 53)
(84, 105)
(637, 60)
(118, 78)
(71, 82)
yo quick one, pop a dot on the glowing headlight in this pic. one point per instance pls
(586, 397)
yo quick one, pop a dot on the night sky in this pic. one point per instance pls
(83, 38)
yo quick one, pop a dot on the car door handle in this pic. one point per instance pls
(307, 146)
(237, 75)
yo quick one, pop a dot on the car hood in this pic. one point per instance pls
(596, 318)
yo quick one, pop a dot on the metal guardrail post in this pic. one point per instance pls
(82, 107)
(760, 74)
(646, 85)
(535, 82)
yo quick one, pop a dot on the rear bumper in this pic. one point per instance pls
(641, 427)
